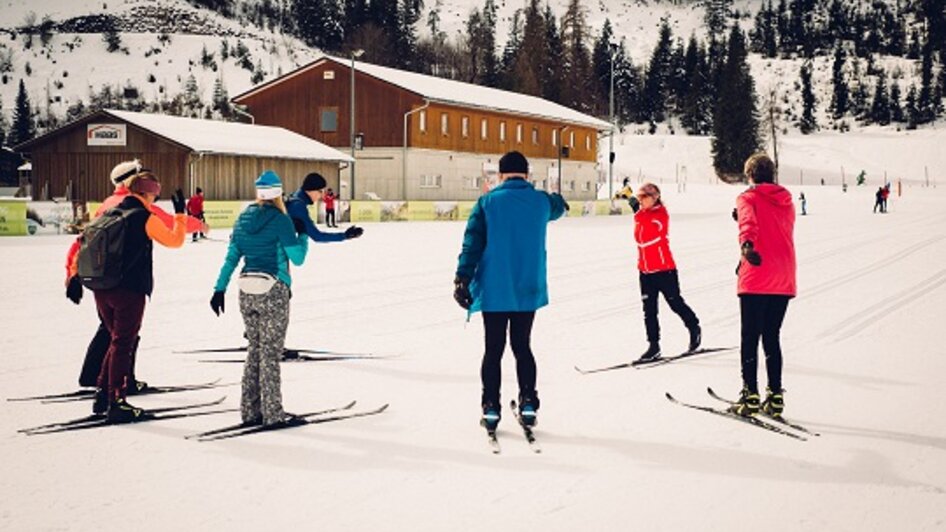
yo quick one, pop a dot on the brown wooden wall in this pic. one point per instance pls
(228, 177)
(473, 142)
(295, 105)
(295, 102)
(65, 157)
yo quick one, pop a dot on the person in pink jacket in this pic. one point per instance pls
(766, 272)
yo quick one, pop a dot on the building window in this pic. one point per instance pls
(328, 120)
(465, 126)
(555, 137)
(484, 129)
(571, 186)
(444, 124)
(472, 183)
(423, 121)
(519, 133)
(535, 135)
(430, 181)
(588, 142)
(502, 132)
(586, 186)
(571, 139)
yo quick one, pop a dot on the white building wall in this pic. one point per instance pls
(440, 175)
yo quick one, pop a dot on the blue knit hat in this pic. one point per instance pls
(268, 186)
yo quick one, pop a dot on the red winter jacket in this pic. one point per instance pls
(767, 219)
(653, 249)
(195, 205)
(329, 200)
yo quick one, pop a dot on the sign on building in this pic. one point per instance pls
(106, 135)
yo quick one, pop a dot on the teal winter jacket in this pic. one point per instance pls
(504, 247)
(266, 241)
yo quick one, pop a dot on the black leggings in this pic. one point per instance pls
(667, 282)
(330, 217)
(762, 316)
(520, 333)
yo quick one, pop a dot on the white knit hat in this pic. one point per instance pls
(125, 170)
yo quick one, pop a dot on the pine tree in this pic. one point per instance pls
(627, 87)
(3, 125)
(602, 62)
(221, 100)
(896, 108)
(807, 124)
(858, 92)
(924, 102)
(24, 127)
(911, 110)
(839, 94)
(657, 83)
(880, 109)
(408, 13)
(577, 67)
(735, 122)
(113, 40)
(531, 58)
(481, 39)
(511, 51)
(716, 17)
(697, 113)
(319, 23)
(555, 57)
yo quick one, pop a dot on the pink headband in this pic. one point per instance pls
(146, 186)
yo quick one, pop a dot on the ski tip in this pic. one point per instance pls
(670, 397)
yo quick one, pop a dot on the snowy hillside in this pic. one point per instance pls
(864, 367)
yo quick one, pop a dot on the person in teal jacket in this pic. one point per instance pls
(502, 273)
(265, 239)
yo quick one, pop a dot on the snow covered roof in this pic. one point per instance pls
(231, 138)
(25, 167)
(447, 91)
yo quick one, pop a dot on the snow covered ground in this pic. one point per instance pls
(864, 366)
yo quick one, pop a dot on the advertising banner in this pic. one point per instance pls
(50, 218)
(223, 214)
(12, 218)
(106, 134)
(465, 208)
(365, 211)
(446, 210)
(420, 211)
(393, 211)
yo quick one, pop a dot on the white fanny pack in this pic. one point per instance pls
(256, 283)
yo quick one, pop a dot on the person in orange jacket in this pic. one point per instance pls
(658, 272)
(95, 353)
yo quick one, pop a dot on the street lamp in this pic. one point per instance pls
(351, 125)
(611, 50)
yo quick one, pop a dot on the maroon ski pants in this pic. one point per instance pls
(121, 311)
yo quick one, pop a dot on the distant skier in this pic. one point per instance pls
(264, 239)
(298, 208)
(658, 272)
(885, 194)
(879, 200)
(195, 208)
(329, 199)
(766, 281)
(804, 204)
(501, 271)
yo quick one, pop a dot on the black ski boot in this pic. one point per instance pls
(748, 403)
(774, 403)
(652, 354)
(100, 401)
(119, 411)
(137, 387)
(528, 407)
(696, 338)
(491, 417)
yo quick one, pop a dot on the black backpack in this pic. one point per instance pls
(102, 251)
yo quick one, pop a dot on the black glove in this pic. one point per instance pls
(177, 199)
(353, 232)
(216, 302)
(299, 225)
(461, 292)
(634, 203)
(74, 290)
(564, 203)
(752, 256)
(735, 215)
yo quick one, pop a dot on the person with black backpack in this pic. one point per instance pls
(115, 262)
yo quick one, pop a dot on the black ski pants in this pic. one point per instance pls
(95, 354)
(762, 316)
(667, 283)
(330, 217)
(520, 336)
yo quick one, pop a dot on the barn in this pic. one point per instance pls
(223, 158)
(419, 137)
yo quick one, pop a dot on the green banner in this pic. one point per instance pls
(365, 211)
(222, 214)
(13, 218)
(465, 207)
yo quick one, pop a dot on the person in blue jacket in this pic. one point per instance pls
(298, 207)
(264, 238)
(502, 273)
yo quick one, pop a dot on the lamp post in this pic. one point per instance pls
(351, 124)
(561, 149)
(611, 51)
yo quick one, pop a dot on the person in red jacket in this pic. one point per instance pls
(766, 272)
(329, 199)
(658, 272)
(195, 208)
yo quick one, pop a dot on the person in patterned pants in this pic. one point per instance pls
(264, 237)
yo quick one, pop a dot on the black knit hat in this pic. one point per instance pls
(513, 163)
(313, 181)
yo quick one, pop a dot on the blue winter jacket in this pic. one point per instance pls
(504, 247)
(298, 207)
(264, 237)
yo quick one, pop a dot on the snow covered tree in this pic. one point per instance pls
(577, 66)
(839, 94)
(602, 60)
(697, 113)
(807, 124)
(911, 110)
(735, 122)
(24, 127)
(880, 112)
(896, 107)
(113, 40)
(221, 100)
(319, 23)
(924, 102)
(657, 82)
(481, 40)
(716, 17)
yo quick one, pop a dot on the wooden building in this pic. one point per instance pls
(429, 138)
(223, 158)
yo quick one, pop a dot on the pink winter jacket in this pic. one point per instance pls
(767, 219)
